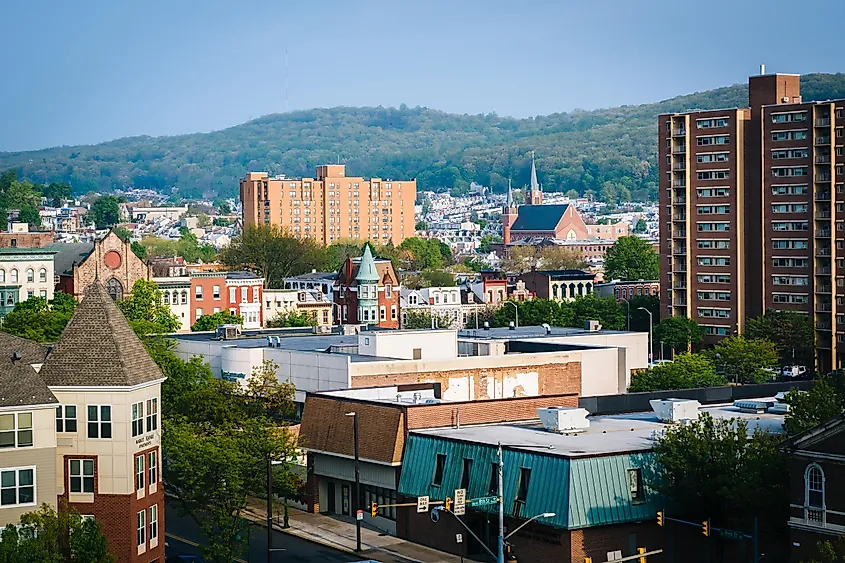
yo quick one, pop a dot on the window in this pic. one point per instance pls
(715, 140)
(814, 493)
(524, 479)
(781, 154)
(215, 292)
(166, 298)
(393, 312)
(198, 293)
(789, 208)
(713, 175)
(153, 522)
(466, 471)
(791, 298)
(798, 135)
(114, 289)
(152, 462)
(712, 157)
(787, 171)
(785, 243)
(137, 419)
(714, 278)
(255, 294)
(714, 192)
(139, 472)
(713, 243)
(243, 294)
(714, 261)
(99, 421)
(16, 430)
(184, 298)
(142, 528)
(494, 479)
(439, 466)
(788, 262)
(66, 418)
(794, 189)
(81, 475)
(705, 227)
(14, 275)
(710, 123)
(635, 484)
(714, 295)
(713, 209)
(2, 276)
(789, 117)
(152, 414)
(383, 313)
(388, 291)
(42, 275)
(790, 280)
(30, 275)
(713, 330)
(714, 313)
(17, 486)
(233, 294)
(789, 225)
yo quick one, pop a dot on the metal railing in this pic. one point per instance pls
(822, 140)
(823, 122)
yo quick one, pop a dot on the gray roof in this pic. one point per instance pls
(68, 253)
(539, 217)
(98, 348)
(20, 385)
(29, 351)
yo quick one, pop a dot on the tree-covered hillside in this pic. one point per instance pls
(611, 152)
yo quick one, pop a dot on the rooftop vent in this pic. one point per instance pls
(675, 410)
(228, 332)
(755, 406)
(778, 408)
(592, 326)
(547, 328)
(564, 420)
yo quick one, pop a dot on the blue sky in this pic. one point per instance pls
(95, 70)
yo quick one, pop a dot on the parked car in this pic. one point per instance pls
(793, 371)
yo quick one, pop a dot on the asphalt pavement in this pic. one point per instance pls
(183, 535)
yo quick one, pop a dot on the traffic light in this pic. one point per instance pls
(660, 518)
(641, 550)
(448, 504)
(509, 554)
(705, 528)
(374, 509)
(588, 560)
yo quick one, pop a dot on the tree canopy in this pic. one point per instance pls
(679, 333)
(687, 371)
(631, 259)
(744, 360)
(566, 313)
(105, 211)
(145, 311)
(792, 334)
(210, 321)
(824, 400)
(39, 320)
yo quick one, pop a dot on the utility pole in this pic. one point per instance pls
(500, 544)
(269, 509)
(357, 504)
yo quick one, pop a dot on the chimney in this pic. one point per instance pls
(762, 69)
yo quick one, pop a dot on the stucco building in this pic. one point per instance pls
(27, 271)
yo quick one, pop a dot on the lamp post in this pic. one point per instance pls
(628, 304)
(357, 504)
(543, 515)
(270, 550)
(516, 313)
(650, 321)
(500, 551)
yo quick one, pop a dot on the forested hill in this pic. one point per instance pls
(609, 151)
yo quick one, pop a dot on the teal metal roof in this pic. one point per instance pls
(583, 492)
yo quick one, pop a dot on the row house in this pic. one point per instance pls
(281, 302)
(81, 430)
(240, 293)
(367, 291)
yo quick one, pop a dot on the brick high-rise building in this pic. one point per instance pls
(332, 206)
(753, 213)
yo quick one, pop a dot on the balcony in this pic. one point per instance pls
(822, 288)
(679, 234)
(822, 177)
(680, 285)
(822, 140)
(679, 269)
(822, 214)
(822, 196)
(822, 270)
(681, 132)
(822, 233)
(679, 303)
(680, 252)
(823, 325)
(823, 122)
(824, 307)
(823, 159)
(679, 200)
(824, 251)
(679, 217)
(679, 183)
(680, 149)
(681, 166)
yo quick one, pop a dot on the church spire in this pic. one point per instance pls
(509, 203)
(535, 185)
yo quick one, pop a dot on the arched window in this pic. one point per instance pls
(814, 494)
(554, 291)
(165, 297)
(42, 275)
(184, 297)
(115, 289)
(14, 276)
(2, 275)
(30, 275)
(572, 290)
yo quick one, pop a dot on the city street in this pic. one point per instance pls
(182, 533)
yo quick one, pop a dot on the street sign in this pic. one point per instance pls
(731, 535)
(459, 538)
(459, 508)
(359, 515)
(422, 504)
(484, 501)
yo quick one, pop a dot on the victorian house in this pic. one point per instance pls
(367, 292)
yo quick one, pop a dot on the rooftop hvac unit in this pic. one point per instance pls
(779, 408)
(592, 326)
(228, 332)
(322, 329)
(564, 420)
(754, 406)
(675, 410)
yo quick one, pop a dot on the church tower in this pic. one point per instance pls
(535, 192)
(509, 213)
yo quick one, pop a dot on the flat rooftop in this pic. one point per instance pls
(607, 435)
(505, 333)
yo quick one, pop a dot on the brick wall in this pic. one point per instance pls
(130, 268)
(484, 412)
(554, 379)
(25, 240)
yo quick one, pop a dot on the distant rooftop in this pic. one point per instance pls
(505, 333)
(606, 435)
(316, 276)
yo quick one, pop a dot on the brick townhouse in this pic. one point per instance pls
(367, 291)
(239, 293)
(90, 432)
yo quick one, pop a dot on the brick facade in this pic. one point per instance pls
(25, 240)
(112, 262)
(483, 412)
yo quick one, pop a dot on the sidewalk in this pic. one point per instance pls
(338, 533)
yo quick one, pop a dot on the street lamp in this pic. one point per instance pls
(357, 503)
(270, 550)
(650, 321)
(515, 311)
(628, 303)
(500, 553)
(543, 515)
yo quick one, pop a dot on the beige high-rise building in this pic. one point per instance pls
(331, 206)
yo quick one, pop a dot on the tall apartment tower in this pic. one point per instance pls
(753, 211)
(331, 206)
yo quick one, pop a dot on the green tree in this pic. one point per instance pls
(421, 226)
(39, 320)
(829, 551)
(437, 278)
(422, 318)
(105, 211)
(639, 318)
(421, 254)
(57, 192)
(572, 194)
(210, 322)
(339, 251)
(687, 371)
(273, 253)
(534, 313)
(48, 536)
(29, 214)
(21, 193)
(744, 360)
(824, 400)
(679, 333)
(717, 469)
(139, 249)
(485, 246)
(791, 332)
(145, 311)
(606, 310)
(223, 207)
(560, 258)
(631, 259)
(641, 226)
(291, 320)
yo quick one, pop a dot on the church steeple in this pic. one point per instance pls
(509, 203)
(535, 193)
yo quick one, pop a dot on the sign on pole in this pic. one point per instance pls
(422, 504)
(484, 501)
(459, 508)
(359, 515)
(459, 538)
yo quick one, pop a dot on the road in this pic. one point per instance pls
(182, 533)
